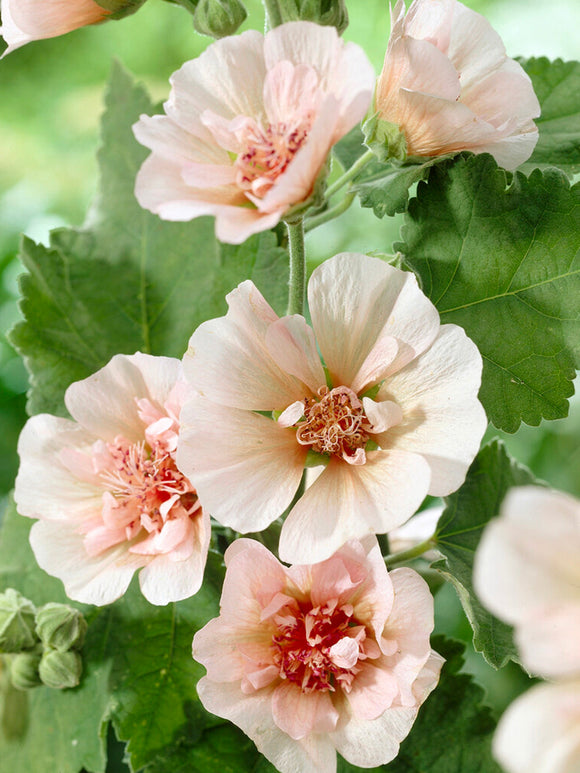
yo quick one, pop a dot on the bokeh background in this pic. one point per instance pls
(51, 95)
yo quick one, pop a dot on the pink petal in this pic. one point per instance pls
(302, 714)
(355, 302)
(374, 689)
(45, 486)
(105, 403)
(59, 550)
(383, 415)
(228, 360)
(292, 345)
(348, 502)
(548, 642)
(290, 91)
(172, 143)
(442, 418)
(245, 467)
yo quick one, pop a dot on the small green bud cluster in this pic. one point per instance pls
(41, 644)
(328, 13)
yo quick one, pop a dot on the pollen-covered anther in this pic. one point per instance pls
(335, 424)
(318, 648)
(268, 151)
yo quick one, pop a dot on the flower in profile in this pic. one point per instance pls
(311, 660)
(448, 85)
(106, 488)
(527, 572)
(393, 412)
(26, 20)
(249, 125)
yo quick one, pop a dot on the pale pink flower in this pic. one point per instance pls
(27, 20)
(527, 572)
(449, 85)
(540, 730)
(106, 488)
(311, 660)
(249, 125)
(396, 381)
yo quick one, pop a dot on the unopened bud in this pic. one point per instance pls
(385, 139)
(60, 626)
(117, 9)
(218, 18)
(24, 669)
(16, 622)
(60, 669)
(329, 13)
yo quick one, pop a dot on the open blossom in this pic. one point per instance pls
(249, 125)
(527, 572)
(394, 413)
(311, 660)
(449, 85)
(106, 488)
(27, 20)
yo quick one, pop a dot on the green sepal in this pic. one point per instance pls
(328, 13)
(16, 622)
(24, 669)
(219, 18)
(118, 9)
(385, 139)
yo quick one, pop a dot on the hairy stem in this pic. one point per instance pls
(350, 173)
(330, 214)
(414, 552)
(297, 283)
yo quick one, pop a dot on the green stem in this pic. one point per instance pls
(330, 214)
(273, 15)
(351, 173)
(414, 552)
(297, 282)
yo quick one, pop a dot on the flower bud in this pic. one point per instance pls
(328, 13)
(60, 626)
(24, 669)
(120, 8)
(60, 669)
(219, 18)
(385, 139)
(16, 622)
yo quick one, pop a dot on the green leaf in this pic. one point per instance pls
(350, 148)
(459, 530)
(42, 729)
(557, 85)
(453, 731)
(499, 255)
(385, 187)
(128, 281)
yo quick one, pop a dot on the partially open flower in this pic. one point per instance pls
(249, 125)
(311, 660)
(448, 84)
(393, 412)
(27, 20)
(106, 488)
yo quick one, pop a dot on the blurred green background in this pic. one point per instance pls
(51, 95)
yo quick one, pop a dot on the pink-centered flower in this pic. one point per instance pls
(26, 20)
(106, 490)
(449, 85)
(311, 660)
(392, 412)
(249, 125)
(527, 572)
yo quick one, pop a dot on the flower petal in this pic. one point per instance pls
(442, 418)
(245, 467)
(348, 502)
(292, 345)
(300, 714)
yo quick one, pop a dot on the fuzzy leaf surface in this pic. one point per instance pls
(499, 255)
(128, 280)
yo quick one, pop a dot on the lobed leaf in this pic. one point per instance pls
(500, 256)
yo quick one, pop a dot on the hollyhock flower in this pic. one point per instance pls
(540, 730)
(449, 86)
(393, 412)
(106, 489)
(27, 20)
(311, 660)
(527, 572)
(249, 125)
